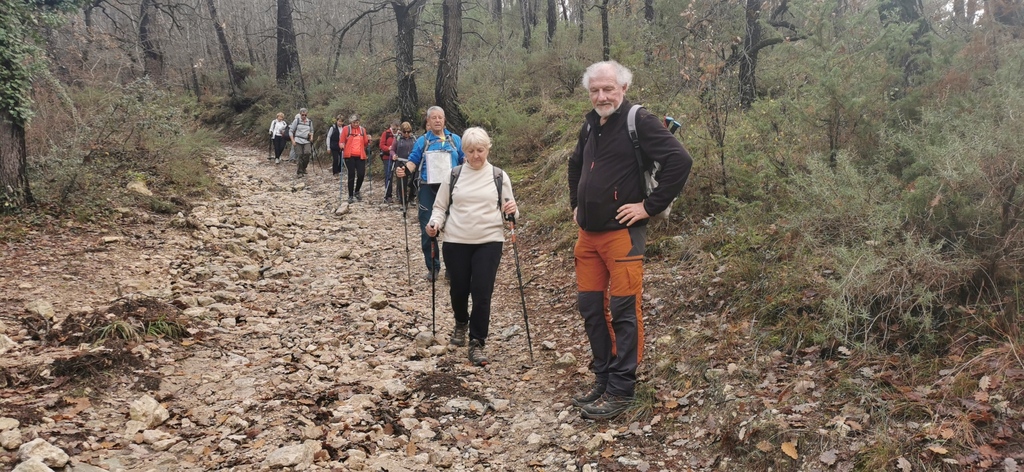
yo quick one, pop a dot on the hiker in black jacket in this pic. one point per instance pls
(607, 196)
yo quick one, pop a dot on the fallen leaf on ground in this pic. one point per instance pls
(790, 449)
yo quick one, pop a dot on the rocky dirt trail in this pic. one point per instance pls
(306, 346)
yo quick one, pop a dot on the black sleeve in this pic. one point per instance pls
(576, 166)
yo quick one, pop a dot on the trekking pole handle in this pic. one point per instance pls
(510, 216)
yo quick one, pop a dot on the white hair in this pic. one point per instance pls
(623, 76)
(475, 136)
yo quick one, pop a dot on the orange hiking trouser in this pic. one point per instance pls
(609, 278)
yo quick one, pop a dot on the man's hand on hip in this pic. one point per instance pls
(631, 213)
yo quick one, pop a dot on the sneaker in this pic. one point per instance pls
(277, 161)
(351, 199)
(476, 353)
(388, 201)
(607, 407)
(459, 335)
(590, 397)
(431, 276)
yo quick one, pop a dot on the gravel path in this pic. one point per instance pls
(309, 348)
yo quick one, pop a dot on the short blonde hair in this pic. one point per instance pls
(476, 136)
(280, 115)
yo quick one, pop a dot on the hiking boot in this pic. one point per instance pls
(351, 199)
(476, 353)
(607, 407)
(359, 197)
(459, 335)
(431, 275)
(590, 397)
(388, 201)
(277, 161)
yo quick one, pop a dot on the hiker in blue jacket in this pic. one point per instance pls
(434, 155)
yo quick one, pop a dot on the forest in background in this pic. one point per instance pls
(857, 176)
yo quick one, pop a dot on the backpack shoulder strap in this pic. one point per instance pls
(635, 138)
(451, 186)
(497, 182)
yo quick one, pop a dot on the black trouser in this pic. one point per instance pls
(335, 161)
(356, 171)
(279, 146)
(388, 169)
(472, 268)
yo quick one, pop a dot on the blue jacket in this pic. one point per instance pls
(430, 142)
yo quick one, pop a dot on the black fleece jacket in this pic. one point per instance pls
(604, 175)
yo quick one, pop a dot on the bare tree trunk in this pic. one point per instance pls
(15, 192)
(606, 48)
(496, 10)
(565, 10)
(649, 11)
(287, 49)
(524, 8)
(748, 60)
(248, 46)
(406, 16)
(152, 58)
(225, 50)
(446, 92)
(582, 9)
(552, 20)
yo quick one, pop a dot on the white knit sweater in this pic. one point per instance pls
(474, 218)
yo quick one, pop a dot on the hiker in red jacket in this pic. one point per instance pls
(353, 142)
(387, 139)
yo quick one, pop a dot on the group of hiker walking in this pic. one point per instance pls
(466, 201)
(349, 146)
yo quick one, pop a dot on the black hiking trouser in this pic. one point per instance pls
(472, 269)
(279, 146)
(356, 172)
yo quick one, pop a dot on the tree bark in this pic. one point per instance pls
(496, 10)
(524, 8)
(606, 48)
(649, 11)
(15, 192)
(552, 20)
(152, 58)
(748, 59)
(581, 11)
(287, 49)
(446, 92)
(406, 17)
(225, 50)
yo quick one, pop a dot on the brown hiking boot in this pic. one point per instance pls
(587, 398)
(476, 353)
(459, 335)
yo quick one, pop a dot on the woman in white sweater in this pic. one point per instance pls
(472, 215)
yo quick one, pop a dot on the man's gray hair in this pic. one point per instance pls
(433, 109)
(623, 76)
(303, 110)
(353, 117)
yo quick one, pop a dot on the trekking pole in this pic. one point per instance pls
(433, 291)
(369, 176)
(519, 273)
(405, 224)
